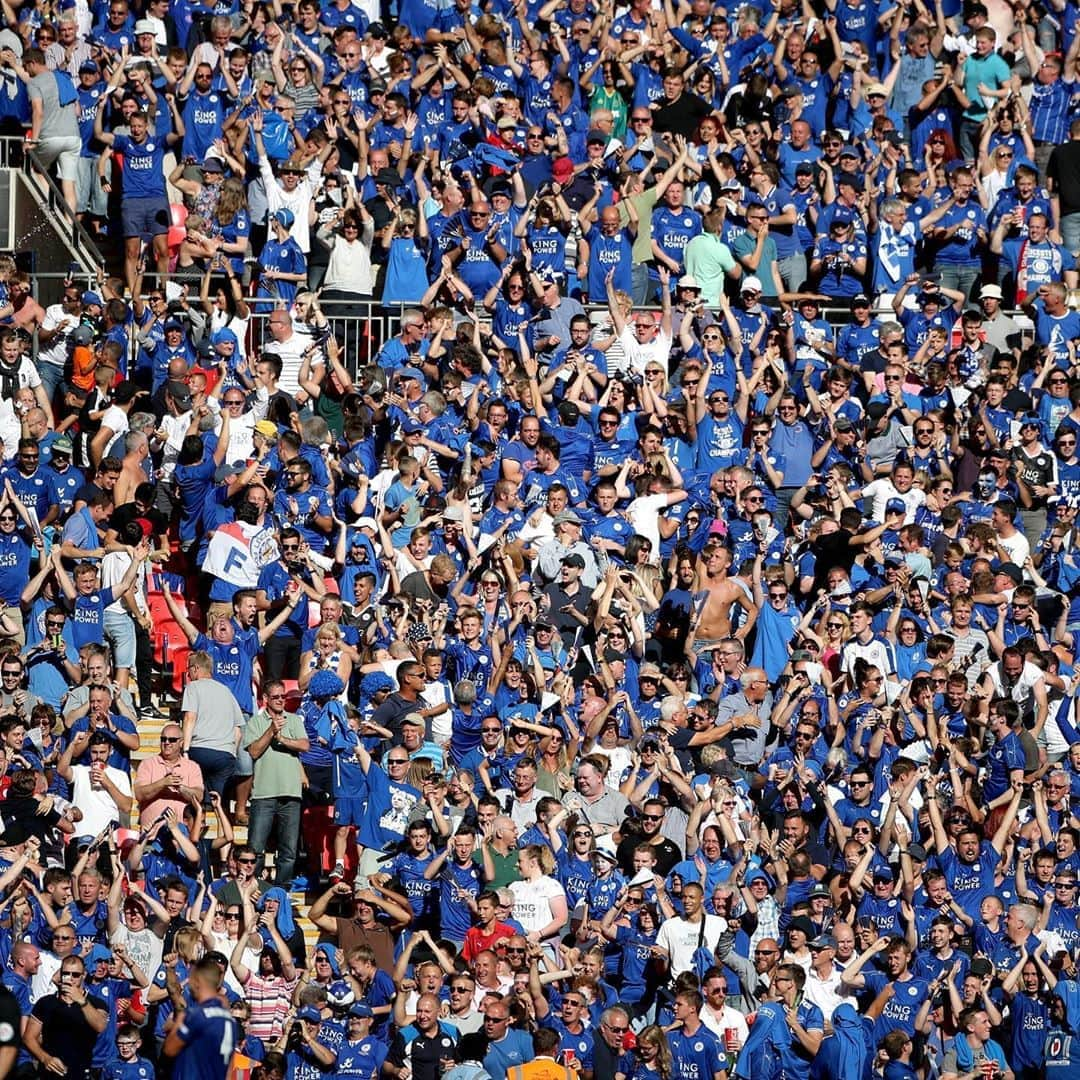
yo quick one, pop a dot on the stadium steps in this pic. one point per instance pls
(149, 739)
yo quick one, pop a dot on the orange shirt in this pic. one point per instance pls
(541, 1069)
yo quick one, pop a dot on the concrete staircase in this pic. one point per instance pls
(149, 740)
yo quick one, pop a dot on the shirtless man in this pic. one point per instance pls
(715, 594)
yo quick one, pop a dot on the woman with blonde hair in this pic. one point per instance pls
(329, 653)
(652, 1055)
(539, 900)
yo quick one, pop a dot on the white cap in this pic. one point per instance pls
(990, 292)
(145, 26)
(605, 846)
(750, 284)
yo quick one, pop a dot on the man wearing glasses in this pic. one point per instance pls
(64, 1026)
(275, 739)
(507, 1046)
(168, 780)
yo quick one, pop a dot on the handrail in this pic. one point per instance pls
(80, 239)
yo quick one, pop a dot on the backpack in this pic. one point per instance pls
(65, 89)
(703, 958)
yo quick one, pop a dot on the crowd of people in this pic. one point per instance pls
(622, 671)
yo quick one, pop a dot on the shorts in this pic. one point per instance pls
(147, 216)
(65, 151)
(120, 632)
(90, 196)
(348, 810)
(245, 766)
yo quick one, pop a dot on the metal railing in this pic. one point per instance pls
(360, 327)
(15, 154)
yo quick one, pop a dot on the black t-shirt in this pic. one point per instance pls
(10, 1019)
(422, 1053)
(66, 1033)
(1064, 169)
(667, 855)
(24, 812)
(389, 714)
(681, 116)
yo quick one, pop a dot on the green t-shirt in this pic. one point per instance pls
(277, 773)
(506, 869)
(644, 203)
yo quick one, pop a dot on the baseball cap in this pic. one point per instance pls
(751, 284)
(1012, 571)
(842, 424)
(823, 941)
(453, 513)
(876, 88)
(409, 426)
(860, 300)
(596, 136)
(361, 1010)
(179, 392)
(574, 559)
(310, 1013)
(566, 516)
(266, 428)
(89, 298)
(62, 445)
(896, 506)
(88, 67)
(284, 217)
(883, 873)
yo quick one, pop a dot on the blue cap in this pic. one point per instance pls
(883, 873)
(361, 1010)
(92, 298)
(309, 1012)
(411, 373)
(98, 955)
(896, 506)
(409, 426)
(284, 217)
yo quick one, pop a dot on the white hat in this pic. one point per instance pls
(688, 281)
(750, 284)
(145, 26)
(990, 292)
(605, 846)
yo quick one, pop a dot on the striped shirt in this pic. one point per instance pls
(1049, 109)
(269, 999)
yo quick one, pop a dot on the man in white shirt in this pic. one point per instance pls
(726, 1023)
(679, 939)
(102, 792)
(823, 979)
(643, 339)
(288, 345)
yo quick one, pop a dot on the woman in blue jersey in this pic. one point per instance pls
(652, 1058)
(574, 865)
(544, 234)
(509, 308)
(635, 943)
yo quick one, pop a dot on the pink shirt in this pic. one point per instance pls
(154, 768)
